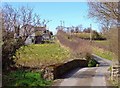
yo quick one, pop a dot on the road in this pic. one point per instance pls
(88, 76)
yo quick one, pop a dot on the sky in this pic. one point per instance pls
(72, 13)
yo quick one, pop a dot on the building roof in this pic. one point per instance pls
(40, 28)
(36, 28)
(27, 25)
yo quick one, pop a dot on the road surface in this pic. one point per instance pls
(88, 76)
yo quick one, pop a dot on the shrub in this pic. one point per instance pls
(92, 63)
(88, 56)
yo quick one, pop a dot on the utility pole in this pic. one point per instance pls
(90, 32)
(63, 24)
(60, 24)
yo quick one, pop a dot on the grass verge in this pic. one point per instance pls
(24, 78)
(103, 53)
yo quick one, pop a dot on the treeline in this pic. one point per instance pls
(85, 33)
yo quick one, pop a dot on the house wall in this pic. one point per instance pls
(30, 39)
(22, 31)
(38, 39)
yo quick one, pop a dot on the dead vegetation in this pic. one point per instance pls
(79, 47)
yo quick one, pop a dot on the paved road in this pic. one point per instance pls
(88, 76)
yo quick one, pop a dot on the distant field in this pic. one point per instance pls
(87, 36)
(103, 42)
(102, 49)
(41, 54)
(82, 35)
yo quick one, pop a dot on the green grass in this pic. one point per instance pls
(24, 78)
(102, 42)
(82, 35)
(37, 54)
(103, 53)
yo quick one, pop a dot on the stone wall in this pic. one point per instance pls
(115, 75)
(66, 67)
(57, 70)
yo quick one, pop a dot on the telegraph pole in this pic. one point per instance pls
(61, 24)
(90, 32)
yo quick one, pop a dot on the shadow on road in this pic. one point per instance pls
(78, 73)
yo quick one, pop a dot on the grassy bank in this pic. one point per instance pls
(103, 53)
(102, 42)
(105, 44)
(35, 55)
(41, 54)
(24, 78)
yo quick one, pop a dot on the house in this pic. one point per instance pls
(36, 34)
(46, 36)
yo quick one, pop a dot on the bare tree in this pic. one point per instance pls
(108, 14)
(104, 12)
(36, 20)
(80, 27)
(12, 21)
(26, 15)
(10, 17)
